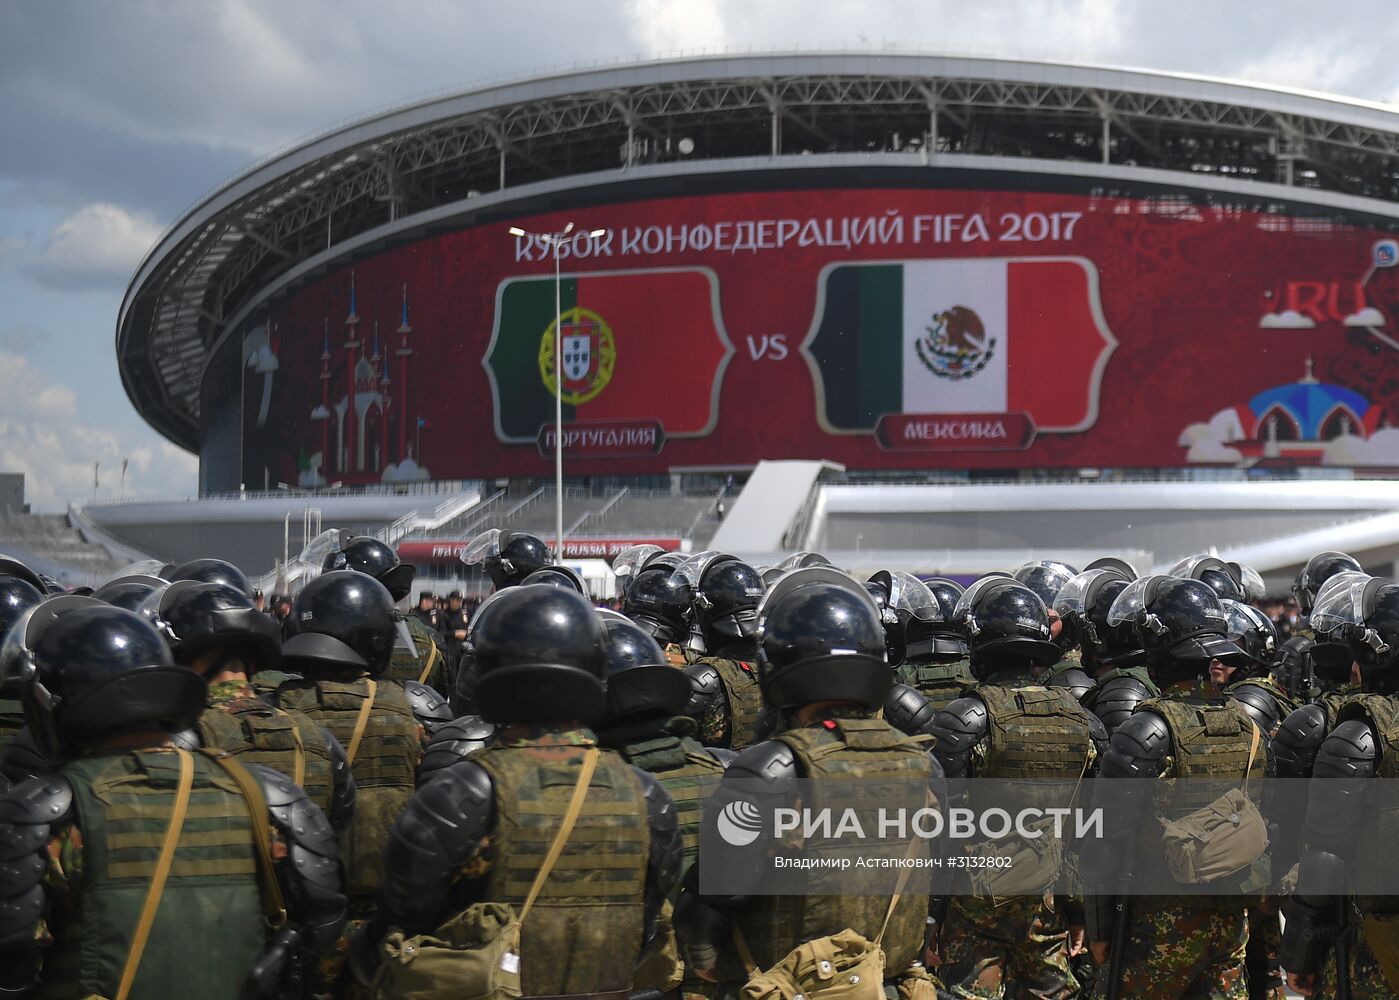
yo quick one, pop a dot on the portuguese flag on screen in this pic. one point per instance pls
(641, 345)
(960, 336)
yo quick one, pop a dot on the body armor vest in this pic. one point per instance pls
(744, 699)
(847, 751)
(584, 934)
(425, 658)
(688, 774)
(121, 805)
(287, 742)
(1210, 747)
(1375, 848)
(940, 683)
(384, 766)
(1333, 701)
(1035, 733)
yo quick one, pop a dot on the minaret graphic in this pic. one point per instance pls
(404, 353)
(349, 449)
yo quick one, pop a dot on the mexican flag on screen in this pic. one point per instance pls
(960, 336)
(639, 345)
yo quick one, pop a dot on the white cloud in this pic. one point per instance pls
(1369, 316)
(98, 244)
(1207, 443)
(42, 436)
(1380, 449)
(1288, 319)
(673, 27)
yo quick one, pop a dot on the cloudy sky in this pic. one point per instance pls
(115, 117)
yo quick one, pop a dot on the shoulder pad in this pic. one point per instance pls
(28, 811)
(659, 806)
(444, 821)
(960, 726)
(1298, 738)
(705, 686)
(723, 755)
(454, 742)
(1137, 747)
(430, 708)
(1075, 679)
(1351, 751)
(771, 761)
(1118, 698)
(908, 711)
(1261, 705)
(23, 759)
(295, 816)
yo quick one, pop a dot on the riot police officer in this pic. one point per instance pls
(660, 601)
(136, 855)
(1252, 684)
(422, 659)
(344, 639)
(926, 648)
(1320, 568)
(1110, 654)
(508, 556)
(218, 633)
(1181, 945)
(727, 701)
(474, 833)
(822, 662)
(983, 734)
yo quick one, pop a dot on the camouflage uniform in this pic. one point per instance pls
(679, 656)
(1183, 950)
(940, 683)
(1022, 940)
(425, 663)
(732, 720)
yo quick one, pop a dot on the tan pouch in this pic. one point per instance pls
(1017, 866)
(476, 954)
(1220, 839)
(841, 966)
(1381, 933)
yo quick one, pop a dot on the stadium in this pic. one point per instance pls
(1067, 308)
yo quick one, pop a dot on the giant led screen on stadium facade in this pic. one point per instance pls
(879, 328)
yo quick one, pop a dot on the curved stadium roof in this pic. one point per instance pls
(395, 174)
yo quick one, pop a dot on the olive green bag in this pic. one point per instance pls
(841, 966)
(1219, 839)
(476, 954)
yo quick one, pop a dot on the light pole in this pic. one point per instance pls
(555, 241)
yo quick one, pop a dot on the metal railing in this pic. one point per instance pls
(601, 512)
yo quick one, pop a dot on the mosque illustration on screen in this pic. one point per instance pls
(1307, 422)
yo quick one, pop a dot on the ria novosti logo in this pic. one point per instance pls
(740, 823)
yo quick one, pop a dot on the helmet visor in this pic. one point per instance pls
(1344, 605)
(630, 560)
(692, 570)
(325, 545)
(1131, 602)
(969, 596)
(483, 547)
(1250, 582)
(908, 593)
(1073, 596)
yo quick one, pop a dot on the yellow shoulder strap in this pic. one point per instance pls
(162, 872)
(362, 723)
(431, 662)
(274, 909)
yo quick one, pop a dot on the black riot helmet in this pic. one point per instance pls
(17, 598)
(12, 567)
(1364, 614)
(908, 609)
(726, 596)
(821, 639)
(555, 576)
(939, 640)
(1180, 623)
(1112, 562)
(200, 616)
(1045, 578)
(660, 602)
(365, 554)
(632, 560)
(803, 559)
(640, 683)
(343, 621)
(1083, 604)
(1223, 578)
(1005, 621)
(1252, 631)
(509, 556)
(539, 656)
(99, 670)
(1320, 568)
(129, 592)
(212, 571)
